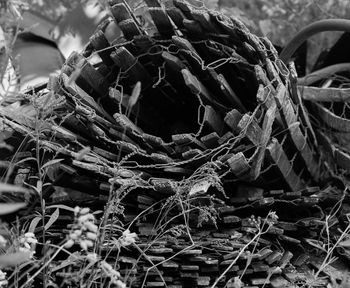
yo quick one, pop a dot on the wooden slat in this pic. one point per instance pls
(332, 120)
(316, 94)
(296, 97)
(290, 121)
(125, 21)
(203, 18)
(100, 43)
(239, 164)
(210, 140)
(160, 18)
(76, 91)
(90, 76)
(278, 156)
(131, 66)
(197, 87)
(213, 120)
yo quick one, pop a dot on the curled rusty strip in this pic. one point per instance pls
(310, 30)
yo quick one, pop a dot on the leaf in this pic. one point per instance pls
(39, 186)
(33, 224)
(14, 259)
(97, 212)
(72, 259)
(62, 265)
(25, 160)
(51, 162)
(12, 188)
(8, 208)
(61, 206)
(52, 219)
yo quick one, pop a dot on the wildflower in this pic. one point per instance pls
(272, 218)
(69, 243)
(85, 218)
(84, 230)
(236, 282)
(3, 281)
(28, 243)
(30, 238)
(119, 284)
(108, 269)
(91, 236)
(76, 210)
(90, 226)
(83, 245)
(127, 238)
(84, 211)
(112, 274)
(92, 257)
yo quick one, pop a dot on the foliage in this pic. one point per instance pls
(280, 20)
(276, 19)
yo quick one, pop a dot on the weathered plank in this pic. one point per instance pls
(278, 156)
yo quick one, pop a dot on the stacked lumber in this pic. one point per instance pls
(189, 133)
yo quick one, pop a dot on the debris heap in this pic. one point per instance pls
(190, 132)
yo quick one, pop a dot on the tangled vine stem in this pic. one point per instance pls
(310, 30)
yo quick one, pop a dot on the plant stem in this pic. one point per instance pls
(45, 264)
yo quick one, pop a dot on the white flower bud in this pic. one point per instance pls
(3, 242)
(69, 244)
(120, 284)
(115, 273)
(76, 210)
(91, 236)
(89, 243)
(32, 240)
(106, 267)
(84, 211)
(86, 218)
(127, 238)
(73, 236)
(91, 226)
(92, 257)
(2, 275)
(83, 245)
(29, 235)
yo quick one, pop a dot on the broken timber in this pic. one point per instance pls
(192, 123)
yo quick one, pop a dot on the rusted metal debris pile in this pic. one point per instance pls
(327, 93)
(193, 131)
